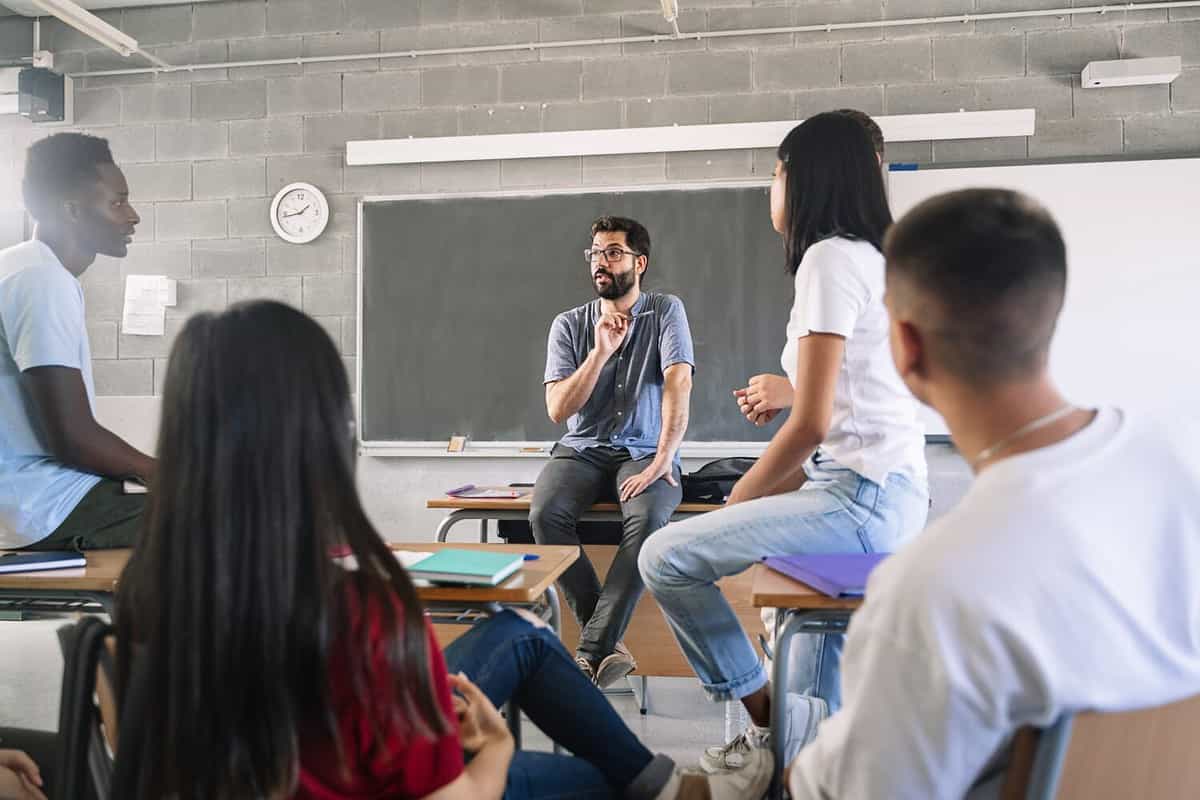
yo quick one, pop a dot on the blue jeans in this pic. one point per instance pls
(507, 658)
(835, 511)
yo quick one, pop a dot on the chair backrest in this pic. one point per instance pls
(87, 712)
(1150, 754)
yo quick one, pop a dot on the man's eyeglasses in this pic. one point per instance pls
(608, 254)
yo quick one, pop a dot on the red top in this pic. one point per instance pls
(395, 766)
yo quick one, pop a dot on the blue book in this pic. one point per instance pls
(474, 567)
(836, 574)
(35, 560)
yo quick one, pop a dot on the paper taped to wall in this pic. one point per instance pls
(146, 301)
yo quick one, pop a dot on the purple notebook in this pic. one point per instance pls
(837, 575)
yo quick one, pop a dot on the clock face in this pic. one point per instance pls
(299, 213)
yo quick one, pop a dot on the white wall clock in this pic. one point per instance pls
(299, 213)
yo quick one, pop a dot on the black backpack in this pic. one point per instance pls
(713, 482)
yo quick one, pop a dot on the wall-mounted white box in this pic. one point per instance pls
(1131, 72)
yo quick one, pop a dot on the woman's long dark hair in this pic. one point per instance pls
(834, 184)
(230, 606)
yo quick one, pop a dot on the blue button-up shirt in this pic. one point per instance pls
(625, 409)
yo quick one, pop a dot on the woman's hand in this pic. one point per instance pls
(479, 723)
(20, 778)
(764, 398)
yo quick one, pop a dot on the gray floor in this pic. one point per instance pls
(680, 722)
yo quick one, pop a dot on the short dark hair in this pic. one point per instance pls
(636, 235)
(834, 185)
(59, 165)
(986, 270)
(869, 125)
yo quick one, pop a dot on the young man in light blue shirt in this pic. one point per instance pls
(60, 470)
(619, 373)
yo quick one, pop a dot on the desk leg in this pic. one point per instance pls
(443, 531)
(555, 610)
(783, 643)
(788, 623)
(555, 625)
(483, 533)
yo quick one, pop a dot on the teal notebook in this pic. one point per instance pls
(475, 567)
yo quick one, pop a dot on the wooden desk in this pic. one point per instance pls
(802, 609)
(85, 588)
(88, 588)
(96, 583)
(488, 509)
(648, 637)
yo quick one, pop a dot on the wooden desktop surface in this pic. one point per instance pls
(522, 504)
(527, 585)
(772, 589)
(100, 575)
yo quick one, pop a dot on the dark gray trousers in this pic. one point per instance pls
(567, 486)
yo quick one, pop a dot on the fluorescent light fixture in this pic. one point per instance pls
(89, 24)
(673, 139)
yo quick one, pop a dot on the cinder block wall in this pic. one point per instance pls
(204, 151)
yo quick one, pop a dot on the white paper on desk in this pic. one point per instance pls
(407, 558)
(146, 299)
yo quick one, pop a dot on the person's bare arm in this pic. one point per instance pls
(566, 397)
(73, 435)
(781, 467)
(677, 394)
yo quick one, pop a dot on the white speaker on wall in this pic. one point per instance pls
(1131, 72)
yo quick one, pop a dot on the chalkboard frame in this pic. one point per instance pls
(518, 449)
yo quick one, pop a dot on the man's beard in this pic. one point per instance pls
(618, 285)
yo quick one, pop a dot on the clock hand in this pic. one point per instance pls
(298, 213)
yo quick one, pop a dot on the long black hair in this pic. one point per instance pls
(230, 606)
(834, 184)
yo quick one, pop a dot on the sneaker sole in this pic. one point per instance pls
(607, 677)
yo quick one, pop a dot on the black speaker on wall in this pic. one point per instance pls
(42, 94)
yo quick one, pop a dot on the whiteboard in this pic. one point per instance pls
(1129, 334)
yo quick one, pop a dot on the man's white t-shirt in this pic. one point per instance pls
(874, 429)
(41, 324)
(1067, 579)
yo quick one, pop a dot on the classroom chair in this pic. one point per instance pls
(1150, 754)
(87, 717)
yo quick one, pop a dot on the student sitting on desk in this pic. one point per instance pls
(251, 665)
(1067, 579)
(619, 373)
(845, 473)
(60, 471)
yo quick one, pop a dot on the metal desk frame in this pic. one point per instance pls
(789, 623)
(522, 515)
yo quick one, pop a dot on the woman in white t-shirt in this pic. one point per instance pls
(845, 473)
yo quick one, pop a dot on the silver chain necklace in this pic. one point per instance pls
(1024, 430)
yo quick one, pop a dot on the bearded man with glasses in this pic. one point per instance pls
(619, 373)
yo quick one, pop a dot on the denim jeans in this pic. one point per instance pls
(835, 511)
(507, 658)
(570, 483)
